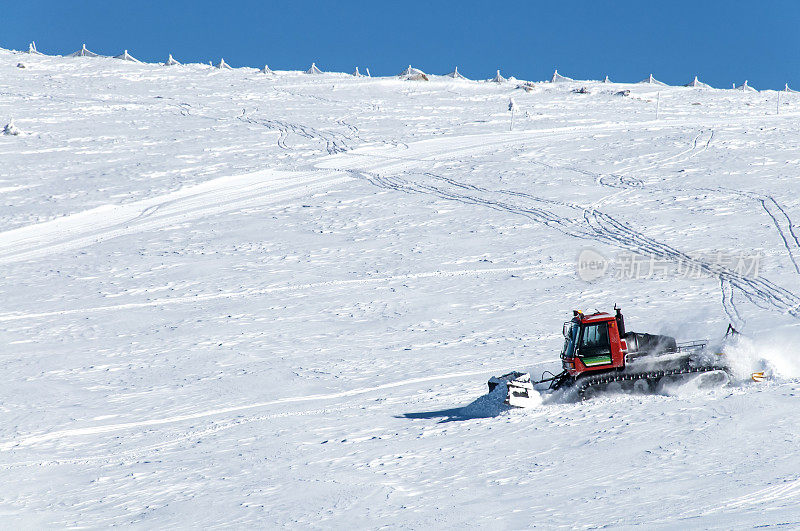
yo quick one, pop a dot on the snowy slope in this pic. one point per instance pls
(237, 299)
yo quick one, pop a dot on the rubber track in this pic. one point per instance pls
(606, 378)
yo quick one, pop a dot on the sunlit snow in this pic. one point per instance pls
(247, 300)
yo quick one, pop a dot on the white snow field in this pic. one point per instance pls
(232, 299)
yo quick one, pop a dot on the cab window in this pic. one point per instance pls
(594, 340)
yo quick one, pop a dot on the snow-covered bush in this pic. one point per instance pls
(11, 129)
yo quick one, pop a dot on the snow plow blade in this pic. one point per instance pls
(519, 389)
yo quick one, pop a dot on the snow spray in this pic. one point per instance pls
(776, 354)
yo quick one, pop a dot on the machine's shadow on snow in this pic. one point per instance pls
(485, 406)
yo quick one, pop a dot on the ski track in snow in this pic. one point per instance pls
(783, 223)
(621, 179)
(597, 225)
(334, 142)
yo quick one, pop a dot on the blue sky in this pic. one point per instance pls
(720, 41)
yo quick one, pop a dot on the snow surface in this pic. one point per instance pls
(240, 300)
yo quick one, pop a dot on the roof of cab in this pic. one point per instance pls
(595, 317)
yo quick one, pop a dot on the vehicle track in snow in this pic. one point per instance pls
(119, 427)
(387, 159)
(218, 196)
